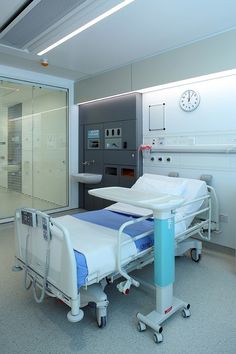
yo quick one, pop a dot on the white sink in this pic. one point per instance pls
(88, 178)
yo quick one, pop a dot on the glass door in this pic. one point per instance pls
(49, 157)
(33, 148)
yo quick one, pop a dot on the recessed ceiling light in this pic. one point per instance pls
(86, 26)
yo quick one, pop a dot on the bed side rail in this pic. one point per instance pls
(125, 286)
(215, 213)
(205, 220)
(201, 219)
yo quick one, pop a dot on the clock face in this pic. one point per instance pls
(189, 100)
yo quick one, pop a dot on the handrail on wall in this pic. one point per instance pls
(209, 149)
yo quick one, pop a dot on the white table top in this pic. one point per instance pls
(159, 201)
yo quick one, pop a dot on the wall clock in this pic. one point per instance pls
(189, 100)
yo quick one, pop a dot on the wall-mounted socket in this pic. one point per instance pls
(224, 218)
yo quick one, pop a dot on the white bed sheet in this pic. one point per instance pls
(97, 243)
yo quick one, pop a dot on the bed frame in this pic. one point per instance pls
(44, 251)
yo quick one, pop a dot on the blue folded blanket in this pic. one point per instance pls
(114, 221)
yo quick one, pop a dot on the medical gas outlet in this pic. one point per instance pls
(159, 158)
(167, 159)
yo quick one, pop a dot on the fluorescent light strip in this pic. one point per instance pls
(87, 25)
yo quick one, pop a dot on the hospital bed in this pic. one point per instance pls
(73, 257)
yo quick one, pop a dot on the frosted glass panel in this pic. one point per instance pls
(33, 148)
(157, 117)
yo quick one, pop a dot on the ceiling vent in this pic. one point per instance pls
(33, 19)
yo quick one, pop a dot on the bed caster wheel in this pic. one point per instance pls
(75, 318)
(186, 313)
(141, 327)
(195, 256)
(102, 322)
(101, 316)
(158, 337)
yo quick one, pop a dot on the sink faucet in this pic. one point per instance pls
(87, 163)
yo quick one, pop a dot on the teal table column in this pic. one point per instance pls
(164, 252)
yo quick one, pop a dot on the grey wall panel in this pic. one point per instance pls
(214, 54)
(120, 157)
(107, 84)
(208, 56)
(112, 109)
(91, 202)
(129, 135)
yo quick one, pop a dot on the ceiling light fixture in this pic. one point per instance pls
(87, 25)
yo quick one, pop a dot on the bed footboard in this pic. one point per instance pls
(44, 251)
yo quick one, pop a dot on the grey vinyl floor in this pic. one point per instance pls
(11, 200)
(210, 287)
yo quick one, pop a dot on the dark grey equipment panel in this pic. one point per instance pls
(110, 134)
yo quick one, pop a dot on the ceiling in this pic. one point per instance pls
(140, 30)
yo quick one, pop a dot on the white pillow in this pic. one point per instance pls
(195, 188)
(187, 188)
(160, 184)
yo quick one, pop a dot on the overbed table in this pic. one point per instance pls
(162, 206)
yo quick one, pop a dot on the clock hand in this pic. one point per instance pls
(188, 96)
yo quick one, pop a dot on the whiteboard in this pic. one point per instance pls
(157, 117)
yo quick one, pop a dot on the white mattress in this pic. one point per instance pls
(97, 243)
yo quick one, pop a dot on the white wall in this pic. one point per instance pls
(10, 73)
(213, 123)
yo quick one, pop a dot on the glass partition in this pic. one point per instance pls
(33, 147)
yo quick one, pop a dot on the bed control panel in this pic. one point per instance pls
(28, 218)
(46, 229)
